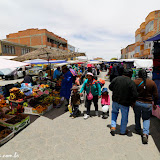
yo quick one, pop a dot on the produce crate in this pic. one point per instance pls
(7, 138)
(7, 117)
(29, 110)
(18, 126)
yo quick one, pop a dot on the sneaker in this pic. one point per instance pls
(113, 129)
(96, 113)
(73, 116)
(86, 116)
(145, 139)
(104, 116)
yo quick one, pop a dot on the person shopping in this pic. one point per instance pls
(124, 95)
(93, 90)
(147, 92)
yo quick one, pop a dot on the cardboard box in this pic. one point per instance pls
(29, 110)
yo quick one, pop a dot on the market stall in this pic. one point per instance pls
(24, 100)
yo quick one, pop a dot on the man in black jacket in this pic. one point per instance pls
(124, 95)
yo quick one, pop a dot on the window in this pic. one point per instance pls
(149, 27)
(147, 45)
(24, 50)
(138, 38)
(8, 49)
(137, 49)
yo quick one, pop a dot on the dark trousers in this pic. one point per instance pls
(75, 109)
(88, 104)
(98, 72)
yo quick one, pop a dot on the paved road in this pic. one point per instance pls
(55, 136)
(5, 82)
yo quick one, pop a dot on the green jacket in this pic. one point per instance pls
(95, 88)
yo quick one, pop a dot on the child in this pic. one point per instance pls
(75, 102)
(105, 102)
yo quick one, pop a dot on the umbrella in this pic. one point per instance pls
(73, 72)
(46, 53)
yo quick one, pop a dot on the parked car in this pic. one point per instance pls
(36, 71)
(13, 73)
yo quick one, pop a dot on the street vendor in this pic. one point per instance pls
(66, 84)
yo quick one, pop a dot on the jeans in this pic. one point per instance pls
(88, 103)
(124, 119)
(143, 110)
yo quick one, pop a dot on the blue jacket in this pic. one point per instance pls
(66, 85)
(95, 88)
(56, 74)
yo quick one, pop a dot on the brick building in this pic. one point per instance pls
(13, 49)
(38, 38)
(147, 29)
(128, 52)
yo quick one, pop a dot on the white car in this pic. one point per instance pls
(13, 73)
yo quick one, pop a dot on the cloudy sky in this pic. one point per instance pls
(98, 27)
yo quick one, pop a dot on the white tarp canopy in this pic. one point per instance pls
(143, 63)
(4, 63)
(7, 57)
(94, 62)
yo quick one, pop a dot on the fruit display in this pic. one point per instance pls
(16, 119)
(3, 102)
(44, 86)
(47, 100)
(16, 94)
(40, 109)
(25, 104)
(57, 100)
(56, 94)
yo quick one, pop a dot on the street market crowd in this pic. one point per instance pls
(141, 94)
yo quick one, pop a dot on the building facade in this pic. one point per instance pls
(128, 52)
(14, 49)
(38, 38)
(147, 29)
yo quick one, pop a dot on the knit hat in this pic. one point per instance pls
(104, 90)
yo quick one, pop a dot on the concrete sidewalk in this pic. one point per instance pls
(63, 138)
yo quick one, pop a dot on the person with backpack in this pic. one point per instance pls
(147, 93)
(93, 90)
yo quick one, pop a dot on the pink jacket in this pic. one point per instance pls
(105, 100)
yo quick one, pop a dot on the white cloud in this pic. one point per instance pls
(98, 27)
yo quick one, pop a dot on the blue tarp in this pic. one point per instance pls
(155, 38)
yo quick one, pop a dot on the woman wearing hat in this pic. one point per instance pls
(93, 90)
